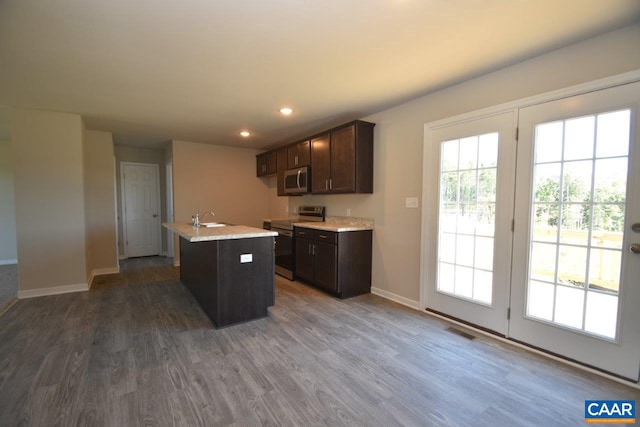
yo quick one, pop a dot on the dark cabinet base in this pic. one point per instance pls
(341, 267)
(230, 291)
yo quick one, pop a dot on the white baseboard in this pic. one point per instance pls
(396, 298)
(101, 272)
(8, 261)
(32, 293)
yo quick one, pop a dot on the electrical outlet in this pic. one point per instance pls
(411, 202)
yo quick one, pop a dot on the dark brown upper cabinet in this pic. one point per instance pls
(320, 164)
(342, 160)
(298, 154)
(281, 166)
(266, 163)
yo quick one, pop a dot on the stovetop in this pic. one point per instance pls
(305, 214)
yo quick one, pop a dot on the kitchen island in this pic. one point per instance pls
(229, 270)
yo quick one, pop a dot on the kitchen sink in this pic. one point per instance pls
(212, 224)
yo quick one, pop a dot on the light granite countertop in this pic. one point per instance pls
(339, 224)
(228, 232)
(284, 218)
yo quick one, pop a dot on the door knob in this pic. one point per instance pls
(635, 248)
(636, 227)
(155, 215)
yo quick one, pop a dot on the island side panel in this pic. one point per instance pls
(199, 273)
(246, 289)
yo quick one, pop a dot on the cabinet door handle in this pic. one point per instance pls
(296, 158)
(309, 248)
(314, 250)
(326, 184)
(322, 236)
(330, 184)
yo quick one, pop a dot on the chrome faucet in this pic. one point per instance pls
(195, 219)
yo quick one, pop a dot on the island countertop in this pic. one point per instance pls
(228, 232)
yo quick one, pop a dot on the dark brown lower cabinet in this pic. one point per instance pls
(304, 258)
(339, 263)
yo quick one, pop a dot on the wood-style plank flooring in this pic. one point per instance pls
(8, 285)
(137, 350)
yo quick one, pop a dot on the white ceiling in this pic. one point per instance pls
(202, 70)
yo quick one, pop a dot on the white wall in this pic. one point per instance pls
(399, 135)
(222, 179)
(48, 172)
(278, 206)
(99, 164)
(8, 250)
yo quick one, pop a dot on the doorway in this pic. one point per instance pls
(551, 261)
(141, 209)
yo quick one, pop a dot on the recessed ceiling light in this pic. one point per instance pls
(245, 133)
(286, 111)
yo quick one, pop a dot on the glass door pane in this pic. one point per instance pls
(467, 216)
(577, 217)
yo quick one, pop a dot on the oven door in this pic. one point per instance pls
(284, 253)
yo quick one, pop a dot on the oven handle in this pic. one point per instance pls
(287, 233)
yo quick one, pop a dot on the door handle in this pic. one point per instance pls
(634, 248)
(155, 215)
(636, 227)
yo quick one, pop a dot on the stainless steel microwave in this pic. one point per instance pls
(297, 181)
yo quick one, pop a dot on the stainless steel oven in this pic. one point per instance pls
(285, 251)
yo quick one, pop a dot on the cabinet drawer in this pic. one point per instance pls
(305, 233)
(325, 236)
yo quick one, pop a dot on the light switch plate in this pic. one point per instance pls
(245, 258)
(411, 202)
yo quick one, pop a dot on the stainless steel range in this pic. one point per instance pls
(285, 251)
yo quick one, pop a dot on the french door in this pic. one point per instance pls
(576, 282)
(473, 227)
(542, 249)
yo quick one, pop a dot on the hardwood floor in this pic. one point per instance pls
(8, 285)
(137, 350)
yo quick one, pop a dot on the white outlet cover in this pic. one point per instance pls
(245, 258)
(411, 202)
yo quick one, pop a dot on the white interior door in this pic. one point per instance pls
(575, 283)
(469, 278)
(141, 209)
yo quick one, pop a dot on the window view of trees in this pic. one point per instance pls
(608, 214)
